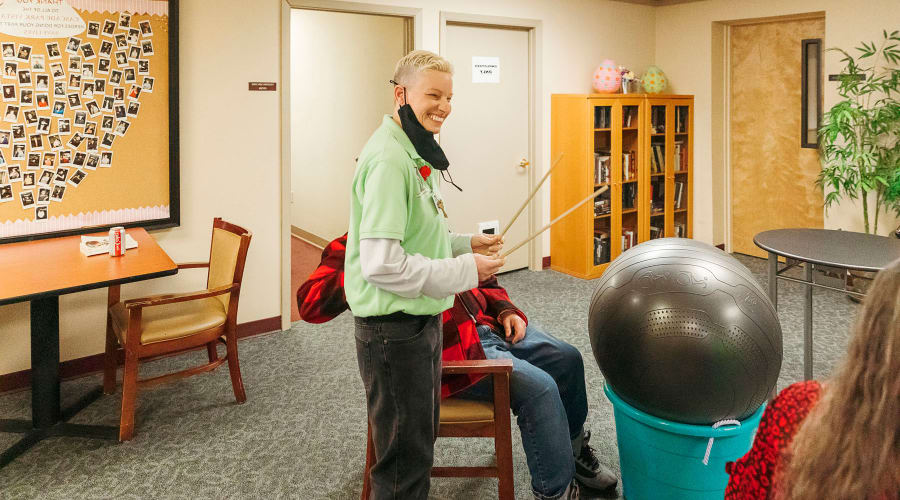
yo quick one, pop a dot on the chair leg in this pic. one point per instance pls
(370, 460)
(129, 395)
(503, 448)
(503, 438)
(109, 359)
(234, 367)
(211, 351)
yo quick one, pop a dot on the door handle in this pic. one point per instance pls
(523, 163)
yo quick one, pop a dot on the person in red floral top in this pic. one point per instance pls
(840, 439)
(547, 387)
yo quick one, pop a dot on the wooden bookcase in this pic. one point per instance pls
(641, 145)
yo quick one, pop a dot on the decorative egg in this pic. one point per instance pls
(654, 80)
(607, 79)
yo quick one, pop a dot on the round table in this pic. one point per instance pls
(846, 250)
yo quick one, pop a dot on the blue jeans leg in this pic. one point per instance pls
(547, 395)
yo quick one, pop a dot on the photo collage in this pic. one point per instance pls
(65, 102)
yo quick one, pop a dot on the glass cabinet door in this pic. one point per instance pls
(630, 141)
(680, 169)
(602, 177)
(657, 178)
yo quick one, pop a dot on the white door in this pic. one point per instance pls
(341, 64)
(487, 134)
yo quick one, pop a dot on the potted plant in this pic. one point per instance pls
(860, 134)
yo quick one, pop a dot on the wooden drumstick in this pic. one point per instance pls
(554, 221)
(510, 223)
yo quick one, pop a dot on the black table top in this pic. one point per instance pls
(844, 249)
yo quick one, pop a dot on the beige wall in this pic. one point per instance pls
(689, 42)
(230, 167)
(332, 115)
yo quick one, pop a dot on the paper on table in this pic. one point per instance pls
(96, 245)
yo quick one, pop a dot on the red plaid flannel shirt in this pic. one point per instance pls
(322, 298)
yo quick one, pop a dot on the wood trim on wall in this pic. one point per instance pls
(88, 365)
(309, 237)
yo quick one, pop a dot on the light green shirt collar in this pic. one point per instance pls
(401, 137)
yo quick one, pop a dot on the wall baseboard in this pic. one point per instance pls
(309, 237)
(545, 262)
(88, 365)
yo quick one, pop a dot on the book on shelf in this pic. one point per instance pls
(657, 165)
(601, 167)
(601, 206)
(679, 194)
(601, 248)
(629, 195)
(629, 166)
(602, 117)
(655, 232)
(658, 119)
(629, 238)
(680, 230)
(681, 116)
(680, 156)
(657, 195)
(629, 117)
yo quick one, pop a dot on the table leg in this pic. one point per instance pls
(807, 324)
(47, 420)
(45, 361)
(773, 279)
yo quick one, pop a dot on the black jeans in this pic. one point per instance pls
(399, 360)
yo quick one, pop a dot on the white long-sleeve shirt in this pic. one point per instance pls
(386, 265)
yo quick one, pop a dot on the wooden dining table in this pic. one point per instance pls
(39, 271)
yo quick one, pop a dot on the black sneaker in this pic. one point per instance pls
(589, 471)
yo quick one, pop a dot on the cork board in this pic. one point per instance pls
(88, 135)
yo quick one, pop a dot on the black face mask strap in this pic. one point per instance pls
(451, 179)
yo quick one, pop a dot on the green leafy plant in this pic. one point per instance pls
(860, 135)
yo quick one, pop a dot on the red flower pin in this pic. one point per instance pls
(425, 171)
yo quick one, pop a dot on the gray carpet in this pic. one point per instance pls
(301, 433)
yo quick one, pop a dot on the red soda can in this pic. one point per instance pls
(116, 241)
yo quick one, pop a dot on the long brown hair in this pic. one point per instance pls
(849, 445)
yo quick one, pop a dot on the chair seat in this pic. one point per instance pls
(466, 411)
(172, 321)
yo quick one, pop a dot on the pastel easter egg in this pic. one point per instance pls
(654, 80)
(607, 79)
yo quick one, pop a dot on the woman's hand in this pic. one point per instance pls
(486, 244)
(487, 265)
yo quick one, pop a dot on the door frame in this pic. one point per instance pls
(534, 28)
(413, 14)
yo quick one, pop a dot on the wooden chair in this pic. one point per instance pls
(157, 325)
(468, 418)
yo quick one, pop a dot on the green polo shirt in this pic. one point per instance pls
(390, 199)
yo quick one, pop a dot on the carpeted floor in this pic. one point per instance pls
(301, 433)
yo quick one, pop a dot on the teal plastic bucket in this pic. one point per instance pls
(663, 460)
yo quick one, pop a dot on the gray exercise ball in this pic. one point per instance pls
(682, 331)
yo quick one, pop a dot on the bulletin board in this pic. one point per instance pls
(89, 131)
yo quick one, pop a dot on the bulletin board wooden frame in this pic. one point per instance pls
(172, 217)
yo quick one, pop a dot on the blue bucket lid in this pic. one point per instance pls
(750, 422)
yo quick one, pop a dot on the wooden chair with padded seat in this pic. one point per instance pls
(469, 418)
(157, 325)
